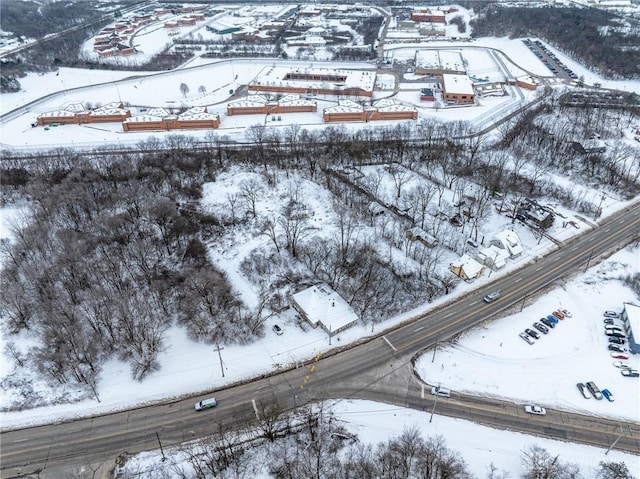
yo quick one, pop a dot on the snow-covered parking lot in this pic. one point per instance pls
(492, 360)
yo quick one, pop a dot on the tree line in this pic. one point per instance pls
(592, 36)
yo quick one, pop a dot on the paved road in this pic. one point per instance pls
(379, 369)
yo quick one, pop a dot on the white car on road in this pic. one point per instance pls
(540, 411)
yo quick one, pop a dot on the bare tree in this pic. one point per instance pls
(184, 89)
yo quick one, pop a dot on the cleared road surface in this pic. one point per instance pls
(379, 369)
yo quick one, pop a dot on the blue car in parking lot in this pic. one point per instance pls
(553, 319)
(608, 395)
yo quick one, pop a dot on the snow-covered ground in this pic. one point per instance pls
(479, 446)
(494, 361)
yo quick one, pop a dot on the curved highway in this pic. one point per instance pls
(379, 369)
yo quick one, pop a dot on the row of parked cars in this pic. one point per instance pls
(615, 336)
(556, 62)
(544, 325)
(589, 390)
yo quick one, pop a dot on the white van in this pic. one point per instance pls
(439, 391)
(206, 404)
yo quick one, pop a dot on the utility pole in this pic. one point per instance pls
(435, 401)
(588, 261)
(218, 349)
(161, 450)
(434, 353)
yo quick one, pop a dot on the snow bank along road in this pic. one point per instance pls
(377, 369)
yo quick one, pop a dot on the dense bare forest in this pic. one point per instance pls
(594, 37)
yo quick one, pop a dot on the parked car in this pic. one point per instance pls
(583, 390)
(540, 411)
(615, 340)
(630, 373)
(610, 314)
(593, 389)
(552, 318)
(615, 355)
(277, 329)
(558, 314)
(491, 296)
(608, 321)
(620, 364)
(566, 312)
(547, 323)
(615, 329)
(541, 327)
(608, 395)
(526, 338)
(205, 404)
(532, 333)
(614, 334)
(616, 348)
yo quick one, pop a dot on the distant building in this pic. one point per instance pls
(384, 109)
(77, 114)
(631, 321)
(159, 119)
(427, 94)
(260, 105)
(439, 62)
(428, 15)
(321, 306)
(457, 89)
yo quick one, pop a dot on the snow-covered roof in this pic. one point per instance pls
(161, 112)
(469, 265)
(492, 255)
(323, 306)
(440, 60)
(509, 240)
(388, 104)
(197, 113)
(58, 113)
(457, 84)
(633, 313)
(326, 78)
(345, 106)
(143, 119)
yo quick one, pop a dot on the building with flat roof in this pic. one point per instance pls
(316, 81)
(261, 105)
(321, 306)
(631, 321)
(384, 109)
(159, 119)
(439, 62)
(457, 89)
